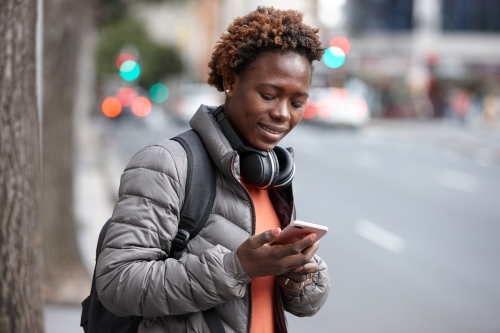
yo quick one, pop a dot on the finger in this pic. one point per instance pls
(310, 267)
(308, 273)
(310, 252)
(297, 247)
(305, 242)
(284, 281)
(300, 276)
(265, 237)
(294, 262)
(293, 285)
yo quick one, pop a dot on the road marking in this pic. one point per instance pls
(458, 180)
(380, 236)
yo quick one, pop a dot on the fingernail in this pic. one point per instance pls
(313, 237)
(298, 269)
(276, 231)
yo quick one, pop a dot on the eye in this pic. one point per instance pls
(297, 105)
(267, 97)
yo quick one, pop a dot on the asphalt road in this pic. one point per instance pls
(413, 214)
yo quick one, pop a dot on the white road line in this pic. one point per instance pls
(380, 236)
(458, 180)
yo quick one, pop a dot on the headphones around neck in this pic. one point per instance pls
(264, 169)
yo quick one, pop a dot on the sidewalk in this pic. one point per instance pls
(62, 319)
(94, 193)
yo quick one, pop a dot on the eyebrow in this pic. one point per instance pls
(280, 89)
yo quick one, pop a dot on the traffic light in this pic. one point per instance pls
(128, 65)
(335, 54)
(158, 93)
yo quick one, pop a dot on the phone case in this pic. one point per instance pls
(299, 229)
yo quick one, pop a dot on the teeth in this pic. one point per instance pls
(267, 129)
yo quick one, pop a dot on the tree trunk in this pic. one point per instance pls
(20, 284)
(66, 279)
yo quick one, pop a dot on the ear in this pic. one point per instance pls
(230, 82)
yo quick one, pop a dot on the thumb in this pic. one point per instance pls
(266, 236)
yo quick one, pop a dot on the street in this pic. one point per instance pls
(413, 214)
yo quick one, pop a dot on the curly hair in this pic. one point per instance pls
(265, 29)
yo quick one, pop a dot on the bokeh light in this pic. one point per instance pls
(310, 111)
(111, 107)
(341, 42)
(126, 95)
(158, 93)
(141, 106)
(334, 57)
(130, 70)
(122, 57)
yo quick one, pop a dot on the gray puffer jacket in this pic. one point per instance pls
(134, 276)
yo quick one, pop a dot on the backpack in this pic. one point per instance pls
(199, 200)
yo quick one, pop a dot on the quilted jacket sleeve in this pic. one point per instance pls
(311, 298)
(133, 274)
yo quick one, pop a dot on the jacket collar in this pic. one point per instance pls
(224, 156)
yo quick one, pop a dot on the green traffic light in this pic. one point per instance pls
(158, 93)
(130, 70)
(334, 57)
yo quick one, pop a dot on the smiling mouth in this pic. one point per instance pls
(270, 130)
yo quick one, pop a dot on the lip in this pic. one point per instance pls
(272, 133)
(278, 130)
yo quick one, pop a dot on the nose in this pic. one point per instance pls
(281, 112)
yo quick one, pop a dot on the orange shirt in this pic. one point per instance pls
(263, 287)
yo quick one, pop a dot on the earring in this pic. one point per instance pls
(227, 91)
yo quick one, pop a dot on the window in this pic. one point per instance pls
(379, 15)
(471, 15)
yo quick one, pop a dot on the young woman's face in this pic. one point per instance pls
(268, 99)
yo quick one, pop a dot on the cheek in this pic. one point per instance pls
(297, 116)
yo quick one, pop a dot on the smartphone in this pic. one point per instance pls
(299, 229)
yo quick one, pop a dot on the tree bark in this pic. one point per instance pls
(66, 278)
(20, 284)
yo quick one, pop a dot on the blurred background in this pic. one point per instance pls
(398, 153)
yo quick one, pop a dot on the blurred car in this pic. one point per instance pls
(337, 107)
(122, 101)
(189, 97)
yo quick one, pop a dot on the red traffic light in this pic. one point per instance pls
(341, 42)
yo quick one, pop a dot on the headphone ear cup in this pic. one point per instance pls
(275, 168)
(286, 167)
(259, 170)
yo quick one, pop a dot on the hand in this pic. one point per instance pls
(299, 278)
(258, 258)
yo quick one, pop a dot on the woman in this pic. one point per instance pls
(264, 66)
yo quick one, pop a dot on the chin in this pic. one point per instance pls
(266, 147)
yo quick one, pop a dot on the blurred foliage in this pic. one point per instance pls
(156, 61)
(109, 11)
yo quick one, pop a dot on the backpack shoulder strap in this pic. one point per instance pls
(200, 191)
(198, 203)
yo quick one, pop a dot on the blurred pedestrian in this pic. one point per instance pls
(460, 104)
(264, 66)
(490, 109)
